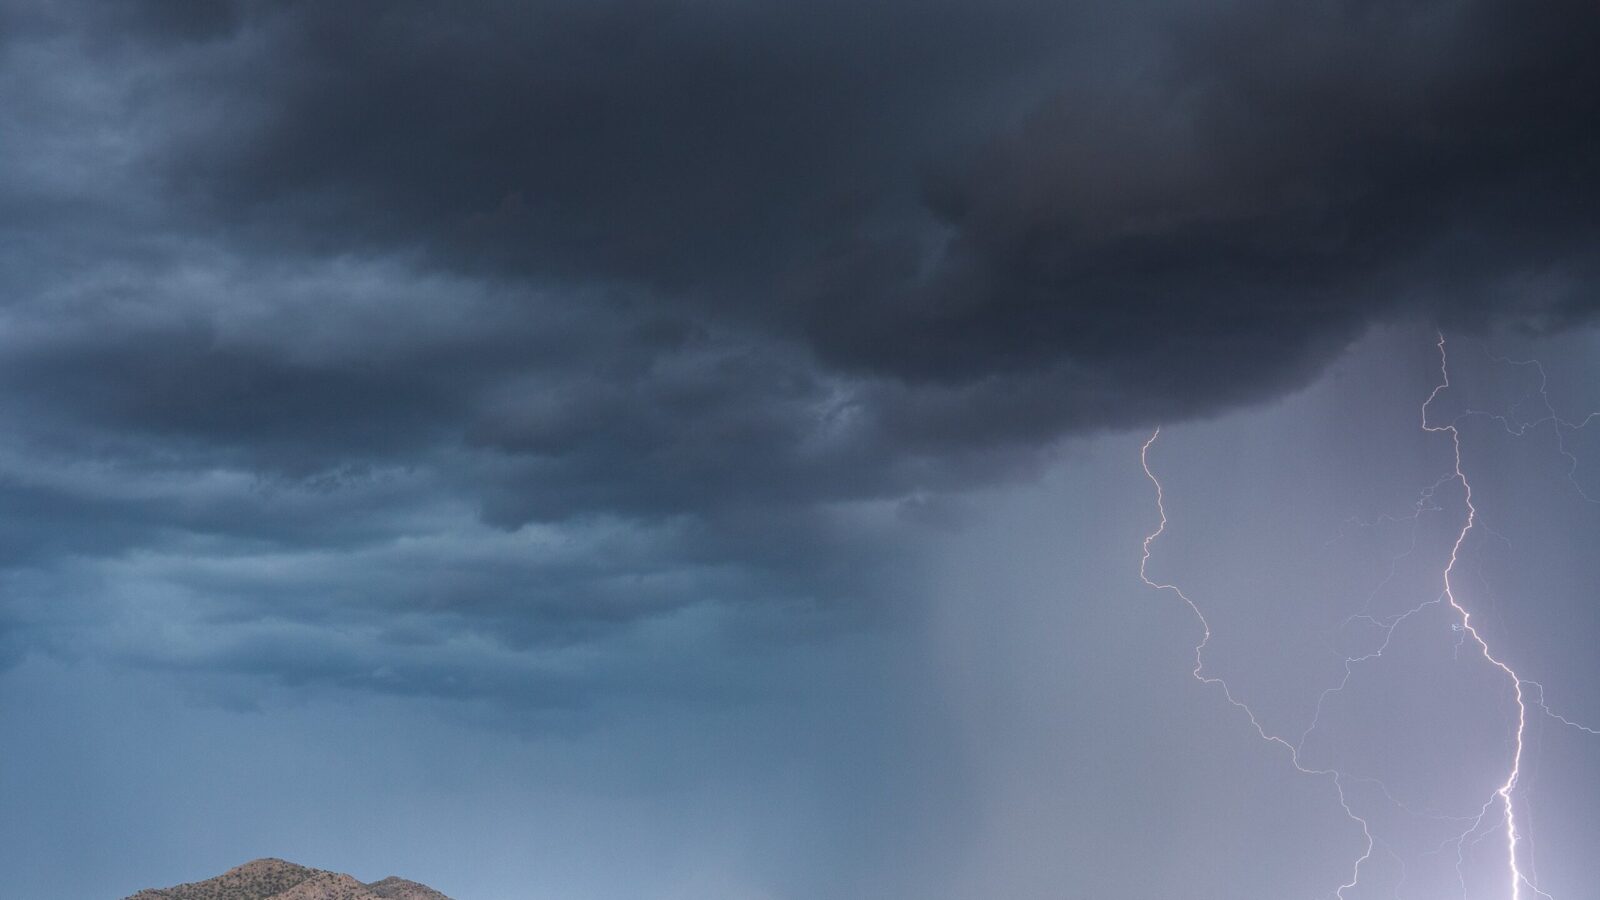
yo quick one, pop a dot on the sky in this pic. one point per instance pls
(694, 449)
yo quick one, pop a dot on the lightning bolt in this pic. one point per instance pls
(1505, 795)
(1509, 786)
(1292, 749)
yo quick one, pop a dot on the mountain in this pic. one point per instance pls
(275, 879)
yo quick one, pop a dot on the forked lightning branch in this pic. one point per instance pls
(1500, 810)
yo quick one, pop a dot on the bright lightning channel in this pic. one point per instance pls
(1506, 789)
(1505, 794)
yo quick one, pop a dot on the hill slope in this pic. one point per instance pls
(275, 879)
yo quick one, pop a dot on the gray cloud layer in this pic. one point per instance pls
(533, 351)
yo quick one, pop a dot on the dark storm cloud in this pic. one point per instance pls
(1246, 178)
(665, 144)
(303, 295)
(1285, 175)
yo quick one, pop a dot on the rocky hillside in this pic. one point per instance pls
(274, 879)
